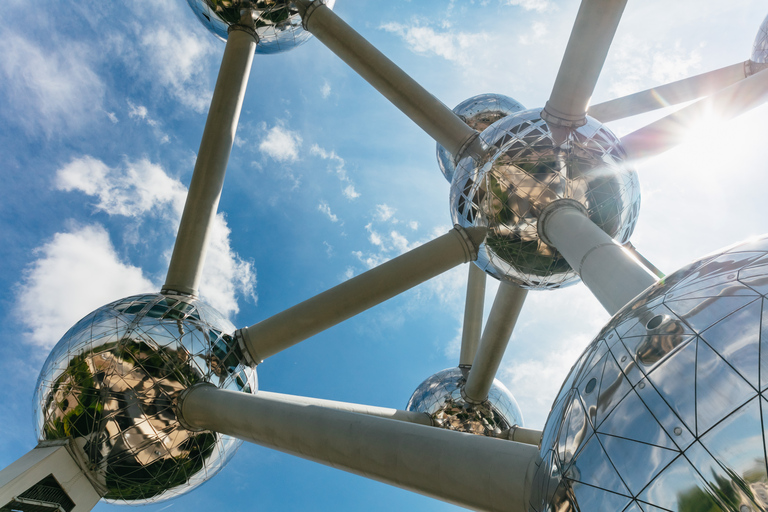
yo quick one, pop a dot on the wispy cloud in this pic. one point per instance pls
(338, 167)
(324, 208)
(325, 90)
(531, 5)
(447, 43)
(143, 191)
(281, 144)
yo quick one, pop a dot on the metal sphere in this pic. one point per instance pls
(668, 405)
(523, 171)
(479, 112)
(440, 397)
(277, 22)
(111, 384)
(760, 46)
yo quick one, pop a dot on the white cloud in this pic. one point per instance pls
(338, 168)
(413, 225)
(281, 144)
(324, 208)
(384, 212)
(143, 191)
(52, 88)
(325, 90)
(74, 274)
(537, 32)
(448, 44)
(531, 5)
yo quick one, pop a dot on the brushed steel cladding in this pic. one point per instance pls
(668, 407)
(523, 171)
(478, 112)
(277, 22)
(111, 384)
(440, 397)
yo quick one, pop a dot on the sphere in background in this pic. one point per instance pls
(669, 404)
(277, 22)
(111, 384)
(440, 397)
(525, 170)
(760, 46)
(478, 112)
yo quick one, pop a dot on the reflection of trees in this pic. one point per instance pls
(732, 491)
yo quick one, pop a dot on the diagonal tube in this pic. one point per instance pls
(472, 471)
(669, 131)
(473, 315)
(669, 94)
(498, 329)
(590, 40)
(189, 252)
(393, 83)
(360, 293)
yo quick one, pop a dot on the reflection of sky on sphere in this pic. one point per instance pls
(665, 406)
(68, 70)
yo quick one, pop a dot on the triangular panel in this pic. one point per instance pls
(633, 507)
(675, 380)
(631, 419)
(593, 467)
(764, 348)
(719, 389)
(589, 389)
(614, 386)
(626, 362)
(672, 424)
(756, 276)
(636, 463)
(679, 487)
(594, 498)
(737, 339)
(702, 313)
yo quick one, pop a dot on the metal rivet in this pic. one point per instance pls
(678, 431)
(623, 358)
(745, 508)
(641, 385)
(610, 336)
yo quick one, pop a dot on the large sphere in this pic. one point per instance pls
(440, 397)
(479, 112)
(525, 170)
(760, 46)
(111, 384)
(277, 22)
(668, 405)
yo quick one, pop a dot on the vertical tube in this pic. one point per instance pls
(202, 202)
(501, 322)
(608, 270)
(476, 472)
(473, 315)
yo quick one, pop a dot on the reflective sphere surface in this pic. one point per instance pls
(440, 397)
(277, 22)
(525, 170)
(111, 383)
(669, 404)
(479, 112)
(760, 46)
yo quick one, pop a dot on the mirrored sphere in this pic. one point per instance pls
(760, 46)
(111, 384)
(440, 397)
(668, 405)
(525, 170)
(277, 22)
(479, 112)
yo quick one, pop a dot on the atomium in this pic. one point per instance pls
(478, 112)
(277, 22)
(667, 405)
(439, 396)
(525, 170)
(760, 47)
(111, 384)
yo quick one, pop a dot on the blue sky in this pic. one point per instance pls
(101, 111)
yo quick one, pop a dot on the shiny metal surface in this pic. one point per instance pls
(440, 397)
(277, 22)
(666, 408)
(111, 384)
(478, 112)
(523, 171)
(760, 46)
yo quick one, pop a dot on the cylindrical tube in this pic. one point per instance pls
(501, 322)
(472, 471)
(202, 202)
(473, 315)
(386, 77)
(608, 270)
(362, 292)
